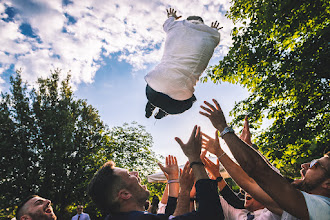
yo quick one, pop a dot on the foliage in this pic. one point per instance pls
(280, 53)
(52, 144)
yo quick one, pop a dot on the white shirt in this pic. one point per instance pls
(189, 47)
(83, 216)
(231, 213)
(318, 206)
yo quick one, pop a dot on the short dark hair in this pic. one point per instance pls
(19, 211)
(194, 17)
(103, 186)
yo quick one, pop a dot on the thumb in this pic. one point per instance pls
(161, 167)
(179, 141)
(216, 135)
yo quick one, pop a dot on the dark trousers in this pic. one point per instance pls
(166, 103)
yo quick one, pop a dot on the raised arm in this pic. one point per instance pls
(285, 195)
(172, 170)
(186, 184)
(206, 190)
(239, 175)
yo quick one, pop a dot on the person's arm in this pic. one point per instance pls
(282, 192)
(238, 174)
(172, 170)
(171, 14)
(186, 184)
(206, 190)
(226, 192)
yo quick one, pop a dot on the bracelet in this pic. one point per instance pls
(196, 163)
(221, 155)
(192, 199)
(226, 130)
(173, 181)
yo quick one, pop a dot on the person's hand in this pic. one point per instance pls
(246, 134)
(192, 149)
(216, 25)
(187, 178)
(215, 114)
(171, 168)
(212, 168)
(212, 145)
(172, 12)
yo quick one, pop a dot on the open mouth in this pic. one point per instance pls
(248, 198)
(48, 210)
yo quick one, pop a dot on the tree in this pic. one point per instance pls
(53, 143)
(281, 55)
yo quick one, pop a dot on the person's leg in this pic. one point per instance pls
(160, 114)
(149, 109)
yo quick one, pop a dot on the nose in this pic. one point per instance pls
(305, 166)
(135, 173)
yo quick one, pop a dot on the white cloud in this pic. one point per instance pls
(131, 28)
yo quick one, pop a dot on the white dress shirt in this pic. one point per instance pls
(231, 213)
(189, 47)
(83, 216)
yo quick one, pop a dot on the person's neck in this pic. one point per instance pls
(320, 192)
(129, 207)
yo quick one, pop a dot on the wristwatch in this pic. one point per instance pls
(226, 130)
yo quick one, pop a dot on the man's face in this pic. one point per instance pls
(80, 209)
(39, 208)
(313, 176)
(251, 204)
(133, 184)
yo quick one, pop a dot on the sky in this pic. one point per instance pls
(108, 46)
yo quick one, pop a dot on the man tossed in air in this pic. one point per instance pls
(189, 47)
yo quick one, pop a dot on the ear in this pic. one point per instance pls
(326, 184)
(124, 194)
(25, 217)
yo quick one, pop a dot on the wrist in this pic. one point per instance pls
(173, 177)
(221, 126)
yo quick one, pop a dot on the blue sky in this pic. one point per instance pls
(109, 46)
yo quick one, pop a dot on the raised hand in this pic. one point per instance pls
(246, 134)
(215, 114)
(192, 149)
(212, 145)
(171, 168)
(216, 25)
(172, 12)
(187, 178)
(212, 168)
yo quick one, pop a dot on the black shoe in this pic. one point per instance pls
(160, 114)
(149, 109)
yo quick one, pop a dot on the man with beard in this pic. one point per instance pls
(311, 203)
(35, 208)
(120, 195)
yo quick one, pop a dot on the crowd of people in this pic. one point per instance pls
(193, 192)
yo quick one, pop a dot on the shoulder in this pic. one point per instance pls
(318, 206)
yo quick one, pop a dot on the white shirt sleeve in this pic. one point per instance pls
(168, 24)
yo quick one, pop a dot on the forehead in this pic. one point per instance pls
(34, 201)
(119, 171)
